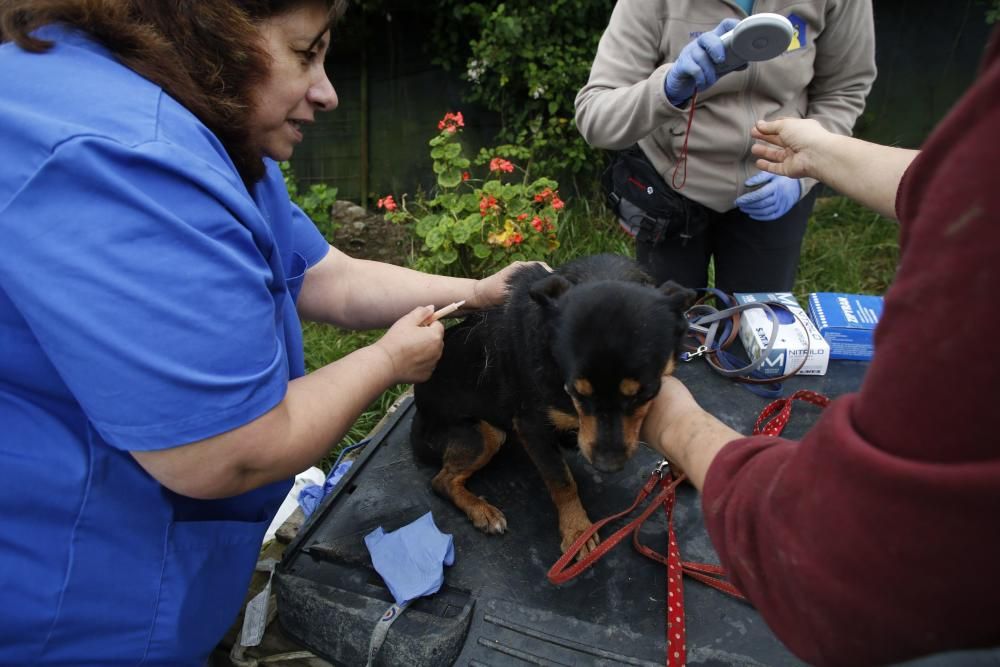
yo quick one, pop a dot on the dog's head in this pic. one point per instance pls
(612, 340)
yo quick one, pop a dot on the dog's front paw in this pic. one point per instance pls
(487, 518)
(571, 532)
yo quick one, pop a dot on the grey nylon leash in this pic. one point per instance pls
(382, 629)
(714, 317)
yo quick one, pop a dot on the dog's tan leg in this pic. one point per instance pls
(573, 519)
(458, 465)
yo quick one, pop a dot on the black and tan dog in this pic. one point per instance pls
(581, 349)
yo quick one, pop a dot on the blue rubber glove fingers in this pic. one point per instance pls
(695, 65)
(773, 199)
(711, 42)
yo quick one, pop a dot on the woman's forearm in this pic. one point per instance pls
(867, 173)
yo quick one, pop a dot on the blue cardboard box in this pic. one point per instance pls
(847, 322)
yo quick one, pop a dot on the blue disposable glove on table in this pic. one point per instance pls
(411, 559)
(775, 196)
(695, 65)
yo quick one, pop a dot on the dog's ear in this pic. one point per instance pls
(547, 291)
(680, 298)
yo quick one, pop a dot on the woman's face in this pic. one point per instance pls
(296, 85)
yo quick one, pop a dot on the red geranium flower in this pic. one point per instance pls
(451, 122)
(487, 204)
(499, 164)
(388, 203)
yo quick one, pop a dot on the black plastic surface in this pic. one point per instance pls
(497, 607)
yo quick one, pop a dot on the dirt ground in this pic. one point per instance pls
(367, 235)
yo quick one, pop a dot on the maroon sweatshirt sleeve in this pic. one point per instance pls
(877, 537)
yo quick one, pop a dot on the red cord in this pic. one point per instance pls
(682, 161)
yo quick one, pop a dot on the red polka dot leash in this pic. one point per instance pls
(664, 484)
(775, 415)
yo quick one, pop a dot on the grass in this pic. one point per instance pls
(847, 248)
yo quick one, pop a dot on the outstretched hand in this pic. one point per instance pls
(792, 148)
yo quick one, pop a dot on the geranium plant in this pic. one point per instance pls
(474, 226)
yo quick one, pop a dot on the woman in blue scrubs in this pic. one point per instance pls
(153, 400)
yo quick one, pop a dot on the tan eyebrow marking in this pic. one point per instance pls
(629, 387)
(583, 387)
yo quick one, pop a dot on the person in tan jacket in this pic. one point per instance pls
(654, 58)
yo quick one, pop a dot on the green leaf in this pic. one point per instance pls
(434, 239)
(452, 203)
(493, 188)
(449, 178)
(472, 222)
(452, 151)
(426, 224)
(448, 255)
(481, 250)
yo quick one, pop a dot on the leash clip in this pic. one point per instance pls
(688, 356)
(662, 468)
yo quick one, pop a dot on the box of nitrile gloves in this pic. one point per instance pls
(847, 322)
(797, 337)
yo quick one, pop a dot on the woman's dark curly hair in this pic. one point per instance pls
(205, 54)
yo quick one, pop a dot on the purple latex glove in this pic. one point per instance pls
(771, 200)
(695, 66)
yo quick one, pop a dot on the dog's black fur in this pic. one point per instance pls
(581, 349)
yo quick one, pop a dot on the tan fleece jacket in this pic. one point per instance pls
(826, 75)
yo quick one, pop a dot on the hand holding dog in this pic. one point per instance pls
(683, 433)
(492, 290)
(413, 348)
(695, 65)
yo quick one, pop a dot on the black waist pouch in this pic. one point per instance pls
(644, 203)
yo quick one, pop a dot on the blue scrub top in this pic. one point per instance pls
(146, 301)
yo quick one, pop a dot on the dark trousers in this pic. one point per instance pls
(750, 255)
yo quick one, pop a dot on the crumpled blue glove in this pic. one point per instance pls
(695, 65)
(411, 559)
(771, 200)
